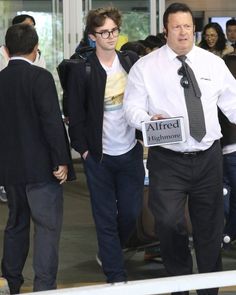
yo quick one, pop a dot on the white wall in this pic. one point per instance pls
(210, 7)
(216, 5)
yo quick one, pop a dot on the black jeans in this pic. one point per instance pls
(116, 188)
(230, 180)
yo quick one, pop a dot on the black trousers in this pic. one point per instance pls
(43, 202)
(116, 189)
(174, 177)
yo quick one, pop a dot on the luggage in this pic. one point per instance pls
(144, 235)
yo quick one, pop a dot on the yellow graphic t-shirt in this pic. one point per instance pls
(118, 136)
(114, 91)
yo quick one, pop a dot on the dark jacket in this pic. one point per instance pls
(86, 103)
(33, 138)
(228, 130)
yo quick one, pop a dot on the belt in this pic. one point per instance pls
(191, 154)
(182, 154)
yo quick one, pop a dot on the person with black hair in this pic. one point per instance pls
(4, 59)
(4, 55)
(35, 161)
(24, 19)
(135, 46)
(183, 80)
(153, 42)
(231, 31)
(213, 40)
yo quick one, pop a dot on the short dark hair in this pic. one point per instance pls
(231, 22)
(174, 8)
(135, 46)
(154, 41)
(21, 18)
(96, 18)
(21, 39)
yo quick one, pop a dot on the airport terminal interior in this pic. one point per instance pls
(60, 26)
(78, 247)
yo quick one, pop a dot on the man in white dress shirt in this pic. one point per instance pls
(191, 169)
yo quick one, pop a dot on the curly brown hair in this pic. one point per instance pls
(96, 18)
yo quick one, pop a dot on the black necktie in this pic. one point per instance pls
(192, 95)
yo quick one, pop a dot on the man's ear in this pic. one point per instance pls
(35, 49)
(165, 32)
(34, 52)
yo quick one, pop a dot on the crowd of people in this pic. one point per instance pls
(109, 94)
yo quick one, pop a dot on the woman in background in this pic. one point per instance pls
(214, 40)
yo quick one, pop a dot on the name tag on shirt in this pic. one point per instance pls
(164, 131)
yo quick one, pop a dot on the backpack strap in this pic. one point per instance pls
(127, 59)
(82, 54)
(87, 70)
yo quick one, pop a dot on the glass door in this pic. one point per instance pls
(140, 18)
(60, 23)
(49, 25)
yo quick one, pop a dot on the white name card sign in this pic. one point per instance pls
(164, 131)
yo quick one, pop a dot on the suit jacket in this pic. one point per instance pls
(33, 137)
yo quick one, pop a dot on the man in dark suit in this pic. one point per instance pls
(34, 162)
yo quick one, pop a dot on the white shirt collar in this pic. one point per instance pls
(172, 55)
(21, 58)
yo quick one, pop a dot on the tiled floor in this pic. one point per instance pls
(78, 246)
